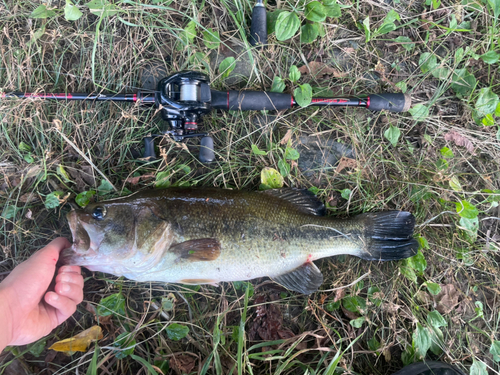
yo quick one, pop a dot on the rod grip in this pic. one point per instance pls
(247, 100)
(149, 148)
(258, 28)
(389, 101)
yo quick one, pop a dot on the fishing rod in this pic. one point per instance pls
(184, 98)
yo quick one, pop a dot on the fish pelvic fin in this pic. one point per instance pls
(388, 236)
(305, 279)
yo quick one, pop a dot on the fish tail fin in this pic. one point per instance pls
(388, 236)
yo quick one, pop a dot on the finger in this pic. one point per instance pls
(50, 253)
(74, 269)
(65, 307)
(69, 290)
(70, 277)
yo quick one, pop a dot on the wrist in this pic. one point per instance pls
(6, 319)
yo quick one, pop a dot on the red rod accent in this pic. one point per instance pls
(47, 96)
(291, 102)
(328, 100)
(368, 101)
(191, 123)
(134, 98)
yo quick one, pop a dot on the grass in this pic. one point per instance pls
(443, 154)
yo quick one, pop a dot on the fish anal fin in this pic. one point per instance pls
(304, 200)
(201, 249)
(305, 279)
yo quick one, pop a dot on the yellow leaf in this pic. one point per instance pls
(80, 342)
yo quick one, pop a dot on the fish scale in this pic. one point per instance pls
(210, 235)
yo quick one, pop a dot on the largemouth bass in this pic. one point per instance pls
(210, 235)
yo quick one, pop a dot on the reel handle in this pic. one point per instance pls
(207, 154)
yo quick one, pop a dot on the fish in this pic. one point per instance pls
(213, 235)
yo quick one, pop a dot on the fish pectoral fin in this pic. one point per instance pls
(202, 249)
(305, 279)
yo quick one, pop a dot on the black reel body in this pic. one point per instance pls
(183, 98)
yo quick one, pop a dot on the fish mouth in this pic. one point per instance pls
(84, 245)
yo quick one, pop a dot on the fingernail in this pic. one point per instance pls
(65, 288)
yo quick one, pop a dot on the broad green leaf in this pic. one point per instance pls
(478, 368)
(446, 152)
(357, 323)
(419, 112)
(332, 9)
(392, 135)
(441, 72)
(315, 11)
(408, 272)
(486, 102)
(433, 288)
(124, 341)
(211, 38)
(437, 340)
(495, 7)
(435, 319)
(83, 198)
(455, 184)
(102, 8)
(177, 331)
(422, 241)
(227, 66)
(37, 348)
(52, 200)
(294, 74)
(167, 304)
(257, 151)
(466, 210)
(421, 341)
(488, 120)
(385, 28)
(162, 180)
(309, 32)
(303, 95)
(392, 16)
(287, 25)
(271, 177)
(284, 167)
(354, 304)
(332, 306)
(346, 193)
(42, 12)
(105, 187)
(272, 17)
(112, 305)
(463, 82)
(427, 62)
(373, 344)
(10, 212)
(278, 84)
(495, 350)
(471, 227)
(406, 43)
(402, 86)
(417, 262)
(71, 11)
(490, 57)
(479, 309)
(291, 154)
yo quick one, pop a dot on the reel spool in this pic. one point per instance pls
(183, 98)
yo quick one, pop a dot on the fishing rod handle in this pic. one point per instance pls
(392, 102)
(247, 100)
(258, 27)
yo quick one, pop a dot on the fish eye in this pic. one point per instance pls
(99, 213)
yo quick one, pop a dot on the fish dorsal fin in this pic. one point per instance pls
(201, 249)
(303, 199)
(305, 279)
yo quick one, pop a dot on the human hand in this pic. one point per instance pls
(30, 311)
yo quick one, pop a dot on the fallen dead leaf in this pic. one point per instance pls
(318, 69)
(135, 180)
(447, 299)
(459, 140)
(344, 163)
(80, 342)
(287, 137)
(183, 363)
